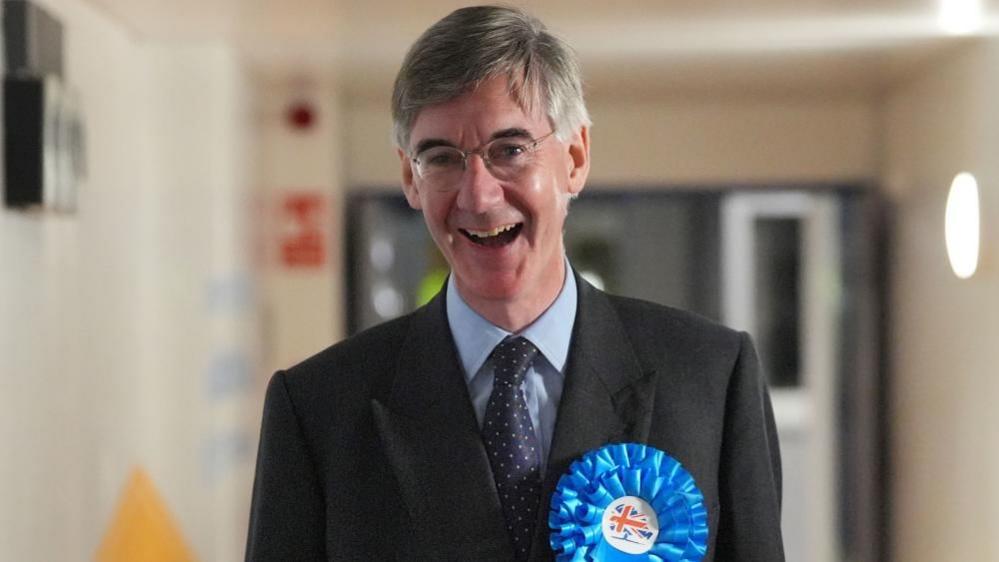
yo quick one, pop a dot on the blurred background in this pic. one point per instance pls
(197, 193)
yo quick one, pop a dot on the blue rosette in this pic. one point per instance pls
(628, 502)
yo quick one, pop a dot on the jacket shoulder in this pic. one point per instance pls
(361, 365)
(655, 329)
(650, 314)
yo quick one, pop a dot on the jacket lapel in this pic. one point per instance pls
(607, 397)
(431, 438)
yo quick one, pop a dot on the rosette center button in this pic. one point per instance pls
(630, 525)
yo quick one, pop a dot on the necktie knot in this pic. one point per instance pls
(511, 358)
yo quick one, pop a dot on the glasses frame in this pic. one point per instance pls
(483, 151)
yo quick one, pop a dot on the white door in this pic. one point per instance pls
(789, 242)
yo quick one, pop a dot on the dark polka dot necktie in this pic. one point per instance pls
(511, 443)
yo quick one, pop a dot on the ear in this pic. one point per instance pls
(579, 160)
(408, 186)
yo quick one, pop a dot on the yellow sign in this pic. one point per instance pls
(142, 529)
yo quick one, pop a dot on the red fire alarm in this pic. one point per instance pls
(300, 115)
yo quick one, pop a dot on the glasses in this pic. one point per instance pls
(505, 158)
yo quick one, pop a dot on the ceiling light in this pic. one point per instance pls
(961, 17)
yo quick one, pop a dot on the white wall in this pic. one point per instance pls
(116, 318)
(944, 351)
(732, 140)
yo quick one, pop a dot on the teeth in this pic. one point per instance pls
(487, 233)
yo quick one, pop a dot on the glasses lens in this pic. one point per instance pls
(507, 157)
(439, 161)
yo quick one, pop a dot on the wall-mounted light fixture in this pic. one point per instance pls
(961, 225)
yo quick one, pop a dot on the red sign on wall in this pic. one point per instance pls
(303, 237)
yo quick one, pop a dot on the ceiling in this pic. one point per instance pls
(634, 48)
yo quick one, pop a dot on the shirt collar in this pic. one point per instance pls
(475, 337)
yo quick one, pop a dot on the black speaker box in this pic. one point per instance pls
(24, 141)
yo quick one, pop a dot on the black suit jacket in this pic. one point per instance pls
(370, 450)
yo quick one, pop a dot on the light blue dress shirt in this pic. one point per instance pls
(475, 337)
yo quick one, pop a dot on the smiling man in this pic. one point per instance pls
(442, 435)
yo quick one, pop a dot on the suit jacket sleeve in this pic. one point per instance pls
(750, 471)
(287, 513)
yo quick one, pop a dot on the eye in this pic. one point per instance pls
(441, 157)
(506, 151)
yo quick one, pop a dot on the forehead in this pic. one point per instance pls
(476, 114)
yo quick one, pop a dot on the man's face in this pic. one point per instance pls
(522, 267)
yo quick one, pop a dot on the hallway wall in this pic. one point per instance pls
(945, 426)
(119, 320)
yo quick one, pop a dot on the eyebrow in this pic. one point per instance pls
(512, 132)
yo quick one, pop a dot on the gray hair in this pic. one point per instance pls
(473, 44)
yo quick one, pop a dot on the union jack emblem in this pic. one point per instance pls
(629, 524)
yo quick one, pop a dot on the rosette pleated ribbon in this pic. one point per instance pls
(620, 476)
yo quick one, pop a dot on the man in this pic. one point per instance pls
(441, 435)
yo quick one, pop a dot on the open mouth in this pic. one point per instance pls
(495, 238)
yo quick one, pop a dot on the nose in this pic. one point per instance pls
(479, 191)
